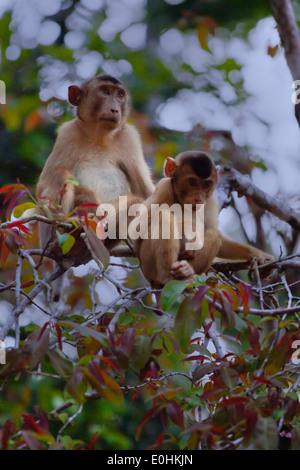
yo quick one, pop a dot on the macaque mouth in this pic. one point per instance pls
(115, 121)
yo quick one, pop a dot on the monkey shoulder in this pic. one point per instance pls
(129, 138)
(163, 193)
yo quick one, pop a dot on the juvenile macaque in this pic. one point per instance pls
(98, 148)
(190, 179)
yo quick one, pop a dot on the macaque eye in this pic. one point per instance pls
(120, 94)
(104, 90)
(193, 182)
(207, 184)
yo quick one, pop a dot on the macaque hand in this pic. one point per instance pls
(262, 257)
(182, 270)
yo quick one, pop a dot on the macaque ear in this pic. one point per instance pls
(74, 95)
(169, 167)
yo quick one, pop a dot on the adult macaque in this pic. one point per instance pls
(98, 148)
(190, 179)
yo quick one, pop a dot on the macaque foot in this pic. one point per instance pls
(182, 270)
(262, 259)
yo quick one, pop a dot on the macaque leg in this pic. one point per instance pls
(203, 258)
(157, 255)
(157, 258)
(238, 251)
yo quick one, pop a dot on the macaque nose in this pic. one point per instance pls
(114, 111)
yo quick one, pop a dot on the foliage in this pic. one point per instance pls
(208, 370)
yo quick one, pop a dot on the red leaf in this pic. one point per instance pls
(7, 431)
(27, 284)
(4, 253)
(198, 357)
(199, 296)
(159, 441)
(10, 191)
(11, 187)
(127, 341)
(13, 201)
(251, 420)
(152, 412)
(175, 412)
(30, 423)
(24, 229)
(262, 380)
(209, 393)
(59, 334)
(96, 372)
(254, 339)
(207, 327)
(42, 330)
(88, 204)
(234, 401)
(216, 381)
(246, 294)
(92, 441)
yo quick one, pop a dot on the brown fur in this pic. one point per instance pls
(99, 148)
(164, 260)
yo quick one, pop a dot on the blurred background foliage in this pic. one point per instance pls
(44, 48)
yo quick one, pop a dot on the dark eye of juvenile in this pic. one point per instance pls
(105, 90)
(120, 94)
(193, 182)
(207, 184)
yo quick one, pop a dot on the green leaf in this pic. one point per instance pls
(186, 322)
(141, 350)
(85, 331)
(73, 180)
(65, 241)
(170, 294)
(19, 210)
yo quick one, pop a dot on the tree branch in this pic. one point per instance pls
(232, 180)
(289, 34)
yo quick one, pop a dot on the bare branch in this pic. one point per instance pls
(27, 301)
(232, 180)
(289, 34)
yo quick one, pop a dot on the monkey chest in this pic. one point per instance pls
(106, 179)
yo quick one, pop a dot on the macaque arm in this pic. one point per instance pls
(157, 255)
(230, 249)
(55, 187)
(134, 166)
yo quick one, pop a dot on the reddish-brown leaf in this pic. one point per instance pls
(238, 400)
(7, 431)
(254, 339)
(59, 335)
(199, 296)
(30, 423)
(175, 412)
(92, 441)
(150, 413)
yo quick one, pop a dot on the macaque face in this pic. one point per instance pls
(101, 100)
(194, 180)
